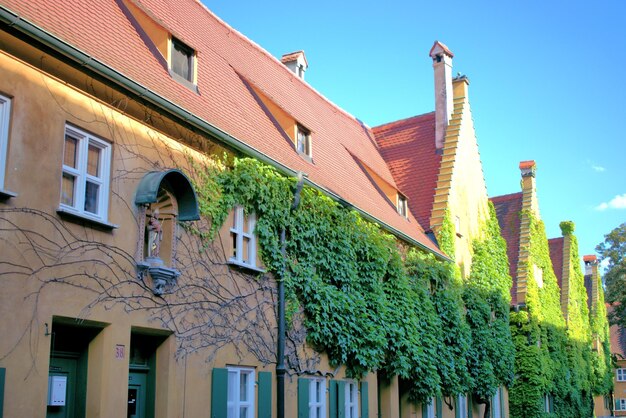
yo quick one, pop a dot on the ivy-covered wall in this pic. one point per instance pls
(369, 302)
(553, 356)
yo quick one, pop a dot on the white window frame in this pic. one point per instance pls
(620, 404)
(234, 402)
(430, 409)
(239, 230)
(316, 404)
(85, 139)
(620, 375)
(5, 114)
(462, 403)
(351, 399)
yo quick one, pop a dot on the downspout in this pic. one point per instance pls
(280, 351)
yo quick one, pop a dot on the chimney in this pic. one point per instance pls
(529, 189)
(567, 231)
(442, 65)
(296, 62)
(591, 265)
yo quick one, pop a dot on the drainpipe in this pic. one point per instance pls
(280, 351)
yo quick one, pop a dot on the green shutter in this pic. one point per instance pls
(439, 407)
(365, 401)
(457, 407)
(425, 408)
(303, 397)
(341, 399)
(332, 407)
(3, 374)
(470, 406)
(265, 395)
(219, 393)
(502, 410)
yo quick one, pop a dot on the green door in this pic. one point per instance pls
(137, 394)
(64, 367)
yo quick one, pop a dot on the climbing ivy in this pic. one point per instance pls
(349, 278)
(487, 298)
(553, 356)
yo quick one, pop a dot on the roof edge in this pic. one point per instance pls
(13, 20)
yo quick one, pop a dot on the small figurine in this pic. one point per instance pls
(155, 234)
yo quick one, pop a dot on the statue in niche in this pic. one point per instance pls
(155, 234)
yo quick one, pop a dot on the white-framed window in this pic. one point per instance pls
(549, 403)
(5, 113)
(430, 409)
(620, 404)
(182, 59)
(462, 405)
(317, 398)
(621, 375)
(402, 205)
(303, 141)
(352, 400)
(240, 403)
(86, 171)
(243, 239)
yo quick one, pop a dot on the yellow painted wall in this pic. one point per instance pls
(461, 185)
(386, 188)
(53, 267)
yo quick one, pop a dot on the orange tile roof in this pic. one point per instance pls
(556, 255)
(104, 29)
(508, 210)
(408, 146)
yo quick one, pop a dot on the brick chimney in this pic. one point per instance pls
(567, 230)
(442, 65)
(529, 189)
(529, 205)
(591, 269)
(296, 62)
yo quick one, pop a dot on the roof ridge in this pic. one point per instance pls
(386, 124)
(277, 61)
(504, 196)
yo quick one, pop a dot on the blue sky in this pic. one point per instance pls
(547, 83)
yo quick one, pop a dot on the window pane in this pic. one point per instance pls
(69, 155)
(181, 60)
(232, 388)
(243, 387)
(243, 412)
(91, 197)
(234, 236)
(246, 251)
(93, 161)
(67, 189)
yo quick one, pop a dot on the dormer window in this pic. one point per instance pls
(182, 62)
(402, 205)
(303, 141)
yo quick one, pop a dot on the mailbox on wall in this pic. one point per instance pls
(57, 387)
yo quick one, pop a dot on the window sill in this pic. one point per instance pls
(246, 266)
(6, 194)
(306, 157)
(182, 80)
(76, 216)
